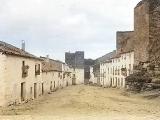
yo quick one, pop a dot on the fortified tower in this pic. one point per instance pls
(141, 29)
(145, 39)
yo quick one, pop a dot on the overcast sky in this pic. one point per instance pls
(56, 26)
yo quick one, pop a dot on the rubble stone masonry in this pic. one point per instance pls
(145, 39)
(141, 28)
(154, 36)
(125, 41)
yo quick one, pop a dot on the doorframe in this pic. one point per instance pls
(35, 90)
(23, 91)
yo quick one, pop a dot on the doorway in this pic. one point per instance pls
(54, 84)
(51, 88)
(35, 90)
(67, 83)
(23, 91)
(42, 88)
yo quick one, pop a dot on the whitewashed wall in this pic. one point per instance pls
(13, 79)
(79, 76)
(107, 78)
(67, 79)
(51, 81)
(2, 79)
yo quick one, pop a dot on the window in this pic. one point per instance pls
(118, 82)
(118, 72)
(24, 69)
(129, 55)
(51, 86)
(37, 69)
(130, 66)
(129, 70)
(68, 75)
(63, 75)
(113, 70)
(59, 75)
(74, 76)
(23, 63)
(31, 91)
(121, 81)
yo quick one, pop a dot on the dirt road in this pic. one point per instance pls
(86, 102)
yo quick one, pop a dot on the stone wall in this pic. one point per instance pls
(51, 81)
(79, 76)
(75, 59)
(87, 64)
(154, 46)
(2, 79)
(146, 35)
(70, 58)
(141, 27)
(79, 59)
(13, 79)
(125, 41)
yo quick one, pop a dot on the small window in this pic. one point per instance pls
(59, 75)
(74, 75)
(24, 69)
(31, 91)
(37, 69)
(23, 63)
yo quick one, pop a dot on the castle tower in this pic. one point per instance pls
(147, 30)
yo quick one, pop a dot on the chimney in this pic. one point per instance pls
(23, 45)
(47, 58)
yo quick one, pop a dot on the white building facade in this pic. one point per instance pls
(114, 71)
(67, 75)
(92, 79)
(20, 75)
(79, 74)
(24, 77)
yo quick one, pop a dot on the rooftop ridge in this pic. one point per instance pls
(9, 49)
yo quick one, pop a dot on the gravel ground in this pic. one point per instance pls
(86, 102)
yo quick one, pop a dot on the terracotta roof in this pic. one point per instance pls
(108, 61)
(9, 49)
(51, 65)
(106, 57)
(118, 55)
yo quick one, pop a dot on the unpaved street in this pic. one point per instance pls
(87, 102)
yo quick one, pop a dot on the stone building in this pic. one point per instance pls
(144, 40)
(98, 61)
(52, 74)
(76, 61)
(114, 70)
(56, 74)
(87, 64)
(68, 75)
(20, 75)
(24, 77)
(93, 79)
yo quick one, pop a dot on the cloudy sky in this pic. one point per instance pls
(56, 26)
